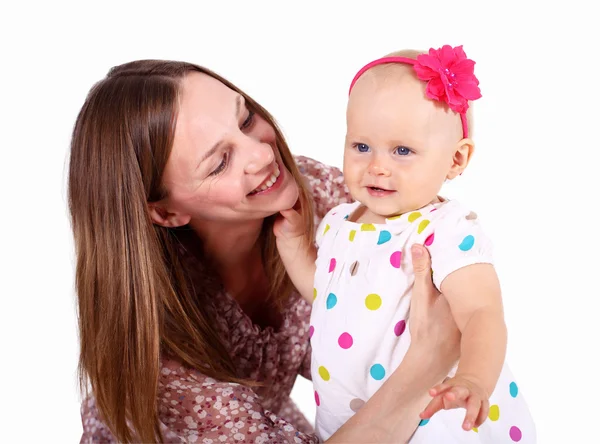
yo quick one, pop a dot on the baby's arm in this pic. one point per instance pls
(462, 268)
(474, 296)
(473, 293)
(297, 252)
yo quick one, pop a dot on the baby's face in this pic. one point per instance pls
(400, 146)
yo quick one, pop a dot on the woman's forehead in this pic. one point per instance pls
(204, 92)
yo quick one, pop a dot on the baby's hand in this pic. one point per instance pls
(459, 391)
(288, 225)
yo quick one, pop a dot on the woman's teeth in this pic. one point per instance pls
(269, 182)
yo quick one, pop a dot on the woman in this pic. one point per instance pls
(190, 329)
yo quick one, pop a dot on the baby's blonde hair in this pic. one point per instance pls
(390, 71)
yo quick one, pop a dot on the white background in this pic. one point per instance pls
(533, 180)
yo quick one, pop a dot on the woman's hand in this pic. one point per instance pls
(432, 327)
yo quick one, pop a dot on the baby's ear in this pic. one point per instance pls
(462, 156)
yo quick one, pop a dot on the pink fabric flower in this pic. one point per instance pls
(450, 77)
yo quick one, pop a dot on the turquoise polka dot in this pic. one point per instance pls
(514, 389)
(346, 216)
(423, 422)
(331, 301)
(467, 243)
(384, 236)
(377, 372)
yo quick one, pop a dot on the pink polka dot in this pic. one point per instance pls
(311, 331)
(399, 328)
(332, 264)
(515, 434)
(433, 210)
(429, 239)
(345, 341)
(317, 400)
(396, 259)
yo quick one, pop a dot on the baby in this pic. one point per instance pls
(408, 123)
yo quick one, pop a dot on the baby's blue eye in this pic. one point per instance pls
(402, 151)
(362, 148)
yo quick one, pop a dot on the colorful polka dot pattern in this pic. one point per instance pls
(345, 341)
(384, 236)
(331, 301)
(396, 259)
(467, 243)
(515, 434)
(356, 404)
(374, 302)
(494, 413)
(332, 263)
(377, 372)
(324, 373)
(414, 216)
(400, 327)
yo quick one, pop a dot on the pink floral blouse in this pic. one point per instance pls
(196, 408)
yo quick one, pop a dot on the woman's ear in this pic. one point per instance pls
(460, 159)
(160, 215)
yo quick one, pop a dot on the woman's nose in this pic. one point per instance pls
(260, 155)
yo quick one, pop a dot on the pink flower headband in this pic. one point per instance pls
(449, 76)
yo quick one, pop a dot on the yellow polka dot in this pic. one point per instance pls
(494, 414)
(314, 294)
(422, 225)
(414, 216)
(373, 301)
(323, 373)
(367, 227)
(327, 227)
(394, 217)
(475, 429)
(351, 235)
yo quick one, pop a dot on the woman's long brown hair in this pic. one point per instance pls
(135, 303)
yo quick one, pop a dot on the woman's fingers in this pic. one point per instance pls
(423, 293)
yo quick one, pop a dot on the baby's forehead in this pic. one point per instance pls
(398, 103)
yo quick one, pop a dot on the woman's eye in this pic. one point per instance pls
(402, 151)
(362, 148)
(249, 121)
(221, 166)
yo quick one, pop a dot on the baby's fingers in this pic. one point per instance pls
(456, 397)
(434, 406)
(440, 388)
(483, 413)
(473, 408)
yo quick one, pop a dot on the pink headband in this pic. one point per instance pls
(449, 75)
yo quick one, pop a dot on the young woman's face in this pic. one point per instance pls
(225, 165)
